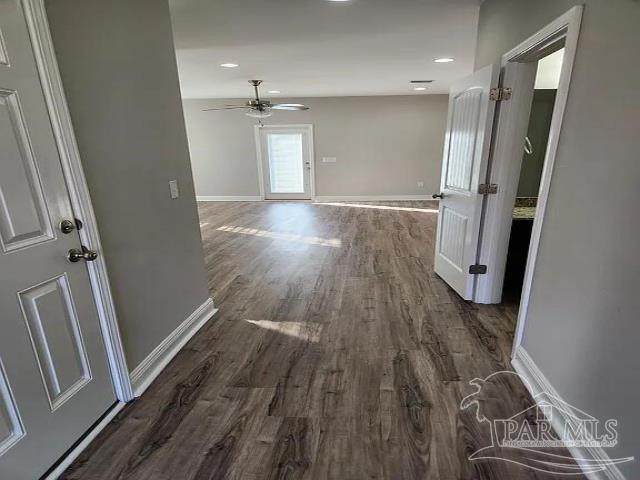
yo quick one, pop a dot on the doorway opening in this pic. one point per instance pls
(285, 161)
(544, 60)
(533, 158)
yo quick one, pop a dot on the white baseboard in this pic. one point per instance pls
(538, 383)
(368, 198)
(159, 358)
(229, 198)
(320, 198)
(88, 438)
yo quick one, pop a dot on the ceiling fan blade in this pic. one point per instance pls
(289, 106)
(227, 107)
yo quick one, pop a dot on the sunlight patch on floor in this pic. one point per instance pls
(309, 332)
(379, 207)
(325, 242)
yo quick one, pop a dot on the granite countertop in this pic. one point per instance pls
(525, 208)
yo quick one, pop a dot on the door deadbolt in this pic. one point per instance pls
(76, 254)
(67, 226)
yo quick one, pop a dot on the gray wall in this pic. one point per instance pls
(119, 73)
(584, 324)
(384, 145)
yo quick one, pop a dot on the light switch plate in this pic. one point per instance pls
(173, 187)
(420, 184)
(329, 159)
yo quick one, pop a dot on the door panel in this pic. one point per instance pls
(286, 161)
(24, 219)
(11, 429)
(52, 322)
(464, 123)
(54, 374)
(454, 227)
(4, 58)
(466, 153)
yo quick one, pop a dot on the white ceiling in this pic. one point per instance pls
(319, 48)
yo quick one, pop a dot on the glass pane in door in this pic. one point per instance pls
(286, 171)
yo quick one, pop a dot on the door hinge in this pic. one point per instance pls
(488, 188)
(477, 269)
(499, 94)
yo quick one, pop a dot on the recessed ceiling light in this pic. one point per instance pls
(443, 60)
(229, 65)
(419, 89)
(274, 91)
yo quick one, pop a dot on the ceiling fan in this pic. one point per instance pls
(258, 108)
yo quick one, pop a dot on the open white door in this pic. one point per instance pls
(55, 381)
(464, 168)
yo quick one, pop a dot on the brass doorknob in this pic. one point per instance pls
(75, 255)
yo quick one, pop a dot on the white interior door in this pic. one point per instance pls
(286, 161)
(464, 168)
(54, 375)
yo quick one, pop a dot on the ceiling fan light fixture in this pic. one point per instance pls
(255, 113)
(257, 108)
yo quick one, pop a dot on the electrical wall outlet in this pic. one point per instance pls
(173, 188)
(421, 184)
(329, 159)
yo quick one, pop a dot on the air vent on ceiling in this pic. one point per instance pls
(420, 81)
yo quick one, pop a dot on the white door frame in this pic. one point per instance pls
(508, 148)
(51, 82)
(260, 157)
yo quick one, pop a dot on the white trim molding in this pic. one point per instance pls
(38, 26)
(370, 198)
(258, 141)
(75, 452)
(537, 383)
(149, 369)
(230, 198)
(571, 31)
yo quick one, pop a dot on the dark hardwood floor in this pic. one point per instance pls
(337, 353)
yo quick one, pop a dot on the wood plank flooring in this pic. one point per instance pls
(337, 353)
